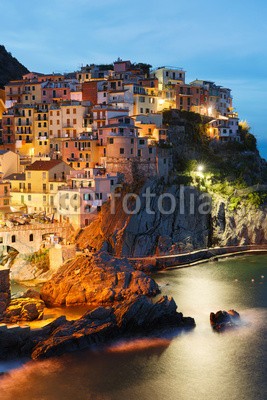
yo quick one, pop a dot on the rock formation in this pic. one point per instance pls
(240, 227)
(145, 234)
(222, 320)
(138, 316)
(5, 294)
(24, 309)
(20, 309)
(99, 279)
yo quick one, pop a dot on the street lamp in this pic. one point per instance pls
(200, 168)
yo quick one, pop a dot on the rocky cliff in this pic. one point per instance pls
(196, 222)
(10, 67)
(96, 280)
(245, 225)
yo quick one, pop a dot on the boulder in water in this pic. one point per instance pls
(223, 319)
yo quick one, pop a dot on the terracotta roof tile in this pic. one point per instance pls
(43, 165)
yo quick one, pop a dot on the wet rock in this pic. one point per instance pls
(32, 294)
(98, 279)
(24, 309)
(223, 319)
(138, 316)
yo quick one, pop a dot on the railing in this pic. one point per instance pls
(36, 226)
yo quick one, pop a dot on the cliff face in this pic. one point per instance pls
(150, 232)
(241, 227)
(10, 67)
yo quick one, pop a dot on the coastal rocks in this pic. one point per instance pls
(143, 314)
(98, 279)
(138, 316)
(24, 271)
(243, 226)
(222, 320)
(24, 309)
(5, 294)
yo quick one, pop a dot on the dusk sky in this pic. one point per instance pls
(223, 41)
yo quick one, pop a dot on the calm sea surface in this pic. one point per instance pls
(201, 364)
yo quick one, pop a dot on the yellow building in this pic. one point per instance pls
(2, 102)
(41, 141)
(23, 128)
(38, 186)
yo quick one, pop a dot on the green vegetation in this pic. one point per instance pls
(40, 259)
(231, 170)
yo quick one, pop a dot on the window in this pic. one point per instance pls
(142, 99)
(141, 110)
(74, 111)
(111, 141)
(29, 197)
(31, 237)
(68, 111)
(150, 150)
(74, 121)
(13, 238)
(141, 141)
(43, 175)
(44, 199)
(66, 145)
(139, 153)
(44, 187)
(44, 92)
(1, 240)
(65, 92)
(33, 97)
(121, 150)
(29, 175)
(39, 124)
(6, 202)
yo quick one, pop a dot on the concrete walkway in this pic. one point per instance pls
(199, 256)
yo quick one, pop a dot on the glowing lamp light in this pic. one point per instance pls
(209, 111)
(200, 168)
(161, 101)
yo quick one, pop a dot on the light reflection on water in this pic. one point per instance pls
(201, 364)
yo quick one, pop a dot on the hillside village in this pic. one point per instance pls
(67, 141)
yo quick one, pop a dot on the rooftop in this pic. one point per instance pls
(43, 165)
(15, 177)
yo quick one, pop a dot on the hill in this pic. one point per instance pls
(10, 67)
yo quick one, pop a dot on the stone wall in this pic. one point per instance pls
(59, 254)
(132, 168)
(5, 294)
